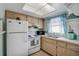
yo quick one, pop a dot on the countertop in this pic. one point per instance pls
(63, 39)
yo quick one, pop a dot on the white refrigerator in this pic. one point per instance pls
(17, 38)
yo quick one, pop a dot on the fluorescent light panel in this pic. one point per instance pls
(38, 8)
(46, 10)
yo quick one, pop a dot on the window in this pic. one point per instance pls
(56, 25)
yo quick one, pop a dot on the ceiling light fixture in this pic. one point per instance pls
(39, 8)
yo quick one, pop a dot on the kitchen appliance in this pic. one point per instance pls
(33, 40)
(17, 37)
(40, 32)
(71, 35)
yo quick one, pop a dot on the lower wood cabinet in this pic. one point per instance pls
(72, 46)
(49, 49)
(61, 44)
(59, 48)
(72, 53)
(48, 46)
(61, 51)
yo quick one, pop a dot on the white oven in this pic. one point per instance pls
(34, 44)
(33, 40)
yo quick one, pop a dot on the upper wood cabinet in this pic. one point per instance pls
(33, 20)
(41, 23)
(14, 15)
(30, 19)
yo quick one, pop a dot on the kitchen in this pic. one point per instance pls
(48, 29)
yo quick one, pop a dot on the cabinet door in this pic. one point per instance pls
(72, 53)
(14, 15)
(48, 46)
(40, 22)
(22, 17)
(35, 20)
(30, 19)
(72, 46)
(61, 44)
(61, 51)
(9, 15)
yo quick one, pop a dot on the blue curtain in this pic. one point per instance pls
(63, 19)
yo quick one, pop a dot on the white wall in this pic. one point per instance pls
(1, 40)
(2, 10)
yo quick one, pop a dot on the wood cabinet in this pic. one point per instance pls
(41, 23)
(30, 19)
(48, 45)
(14, 15)
(61, 51)
(61, 44)
(72, 53)
(59, 48)
(72, 49)
(33, 20)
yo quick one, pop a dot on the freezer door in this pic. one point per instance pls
(17, 44)
(16, 26)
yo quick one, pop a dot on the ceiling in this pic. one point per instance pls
(54, 9)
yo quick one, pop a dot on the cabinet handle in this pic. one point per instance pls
(17, 18)
(19, 22)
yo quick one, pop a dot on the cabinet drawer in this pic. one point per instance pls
(72, 53)
(61, 51)
(61, 44)
(50, 40)
(73, 47)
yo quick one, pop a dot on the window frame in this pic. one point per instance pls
(60, 24)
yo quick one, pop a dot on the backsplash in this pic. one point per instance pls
(55, 35)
